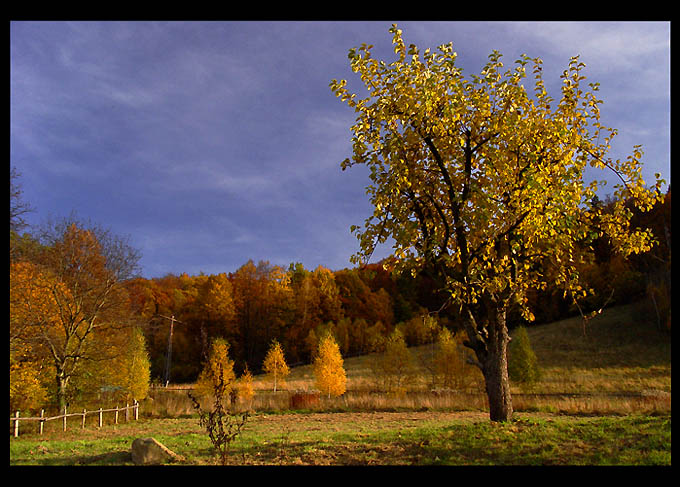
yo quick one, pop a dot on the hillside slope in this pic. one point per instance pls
(622, 352)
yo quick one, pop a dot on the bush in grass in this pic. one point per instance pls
(218, 380)
(522, 361)
(222, 426)
(393, 363)
(451, 365)
(245, 388)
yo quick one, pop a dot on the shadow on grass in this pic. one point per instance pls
(110, 458)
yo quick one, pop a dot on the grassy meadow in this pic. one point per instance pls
(603, 399)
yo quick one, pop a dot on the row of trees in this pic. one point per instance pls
(254, 305)
(218, 370)
(391, 365)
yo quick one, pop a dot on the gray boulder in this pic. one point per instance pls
(149, 451)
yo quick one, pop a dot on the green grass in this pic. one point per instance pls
(415, 438)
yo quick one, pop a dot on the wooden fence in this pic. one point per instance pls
(42, 419)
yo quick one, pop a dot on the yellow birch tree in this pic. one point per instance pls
(328, 367)
(451, 364)
(219, 370)
(394, 363)
(275, 365)
(136, 367)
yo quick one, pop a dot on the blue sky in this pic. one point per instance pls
(211, 143)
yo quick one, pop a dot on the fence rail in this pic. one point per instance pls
(42, 419)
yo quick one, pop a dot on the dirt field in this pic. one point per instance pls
(358, 422)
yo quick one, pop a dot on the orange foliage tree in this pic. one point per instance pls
(219, 369)
(70, 298)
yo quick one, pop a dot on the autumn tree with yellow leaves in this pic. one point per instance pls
(217, 381)
(393, 364)
(218, 369)
(329, 370)
(480, 184)
(245, 388)
(275, 365)
(451, 365)
(134, 366)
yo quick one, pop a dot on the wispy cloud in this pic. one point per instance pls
(609, 45)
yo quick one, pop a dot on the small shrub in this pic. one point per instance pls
(222, 427)
(522, 361)
(304, 400)
(245, 389)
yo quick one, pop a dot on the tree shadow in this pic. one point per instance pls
(123, 457)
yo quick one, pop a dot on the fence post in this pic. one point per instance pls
(116, 414)
(127, 411)
(64, 418)
(84, 413)
(42, 421)
(136, 410)
(100, 417)
(16, 424)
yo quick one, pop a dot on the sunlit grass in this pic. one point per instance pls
(415, 438)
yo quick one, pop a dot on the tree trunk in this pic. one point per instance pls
(62, 385)
(495, 367)
(489, 340)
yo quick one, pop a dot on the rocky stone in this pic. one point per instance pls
(149, 451)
